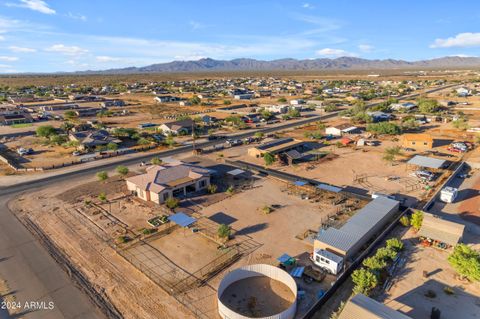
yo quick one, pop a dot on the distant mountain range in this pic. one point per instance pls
(342, 63)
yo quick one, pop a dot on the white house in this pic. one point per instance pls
(463, 91)
(297, 102)
(341, 130)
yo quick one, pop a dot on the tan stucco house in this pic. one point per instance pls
(171, 180)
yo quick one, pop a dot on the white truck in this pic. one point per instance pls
(327, 260)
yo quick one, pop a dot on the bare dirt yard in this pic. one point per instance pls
(411, 293)
(132, 293)
(258, 297)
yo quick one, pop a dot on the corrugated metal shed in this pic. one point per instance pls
(357, 228)
(428, 162)
(363, 307)
(445, 231)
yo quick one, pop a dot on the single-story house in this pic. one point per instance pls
(379, 116)
(427, 162)
(166, 99)
(275, 147)
(177, 127)
(342, 129)
(297, 102)
(10, 118)
(463, 91)
(417, 141)
(88, 111)
(245, 96)
(277, 108)
(363, 307)
(407, 106)
(90, 139)
(441, 230)
(109, 103)
(171, 180)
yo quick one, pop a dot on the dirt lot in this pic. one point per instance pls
(258, 297)
(408, 292)
(128, 289)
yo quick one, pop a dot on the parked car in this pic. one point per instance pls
(423, 174)
(24, 151)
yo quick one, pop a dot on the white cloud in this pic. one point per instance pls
(328, 52)
(461, 40)
(76, 16)
(195, 25)
(8, 58)
(365, 48)
(3, 66)
(64, 49)
(14, 48)
(35, 5)
(105, 58)
(2, 38)
(307, 5)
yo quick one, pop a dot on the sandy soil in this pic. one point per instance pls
(408, 292)
(128, 289)
(258, 297)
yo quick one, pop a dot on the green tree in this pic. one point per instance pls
(461, 124)
(385, 253)
(170, 141)
(70, 115)
(417, 219)
(172, 202)
(102, 176)
(374, 263)
(466, 261)
(156, 161)
(227, 102)
(224, 231)
(195, 100)
(293, 112)
(258, 135)
(395, 244)
(364, 280)
(143, 141)
(122, 170)
(45, 131)
(57, 139)
(269, 158)
(282, 100)
(384, 128)
(427, 105)
(112, 146)
(230, 190)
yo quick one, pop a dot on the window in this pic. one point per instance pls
(327, 261)
(413, 143)
(165, 196)
(317, 259)
(425, 143)
(202, 184)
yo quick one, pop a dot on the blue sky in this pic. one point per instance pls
(65, 35)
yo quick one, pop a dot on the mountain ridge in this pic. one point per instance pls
(290, 64)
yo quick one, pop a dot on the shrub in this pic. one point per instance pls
(212, 188)
(405, 221)
(224, 231)
(156, 161)
(172, 202)
(102, 197)
(102, 176)
(416, 220)
(448, 290)
(122, 170)
(230, 190)
(267, 209)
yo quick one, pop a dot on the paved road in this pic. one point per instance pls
(34, 275)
